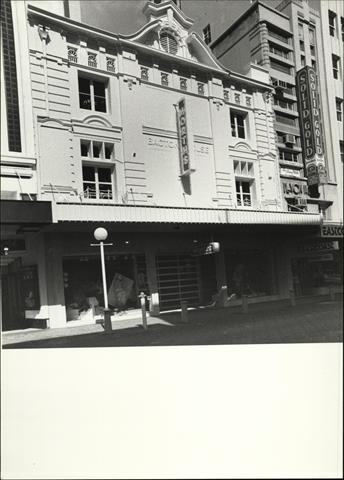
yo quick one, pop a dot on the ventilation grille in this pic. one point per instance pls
(168, 43)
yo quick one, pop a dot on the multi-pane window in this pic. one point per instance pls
(288, 156)
(339, 107)
(97, 182)
(332, 22)
(243, 169)
(207, 34)
(92, 94)
(238, 125)
(281, 67)
(94, 150)
(243, 193)
(279, 52)
(335, 66)
(10, 78)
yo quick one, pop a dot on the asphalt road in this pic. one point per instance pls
(313, 321)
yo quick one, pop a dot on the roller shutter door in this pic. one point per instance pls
(177, 281)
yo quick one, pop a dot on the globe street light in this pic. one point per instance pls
(101, 234)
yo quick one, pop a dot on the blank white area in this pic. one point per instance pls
(268, 411)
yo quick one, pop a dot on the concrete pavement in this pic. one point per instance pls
(317, 319)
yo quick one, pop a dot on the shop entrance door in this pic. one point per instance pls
(13, 315)
(177, 281)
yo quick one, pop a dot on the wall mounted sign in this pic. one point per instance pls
(310, 126)
(160, 143)
(290, 172)
(293, 188)
(184, 139)
(332, 231)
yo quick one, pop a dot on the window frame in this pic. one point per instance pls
(335, 66)
(242, 196)
(91, 80)
(339, 109)
(332, 23)
(234, 124)
(97, 182)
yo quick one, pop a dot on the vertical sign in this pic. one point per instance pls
(310, 126)
(183, 135)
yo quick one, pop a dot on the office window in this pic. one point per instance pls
(312, 50)
(302, 45)
(300, 30)
(335, 66)
(341, 149)
(168, 43)
(92, 94)
(332, 22)
(303, 60)
(311, 36)
(238, 125)
(281, 67)
(314, 64)
(243, 193)
(97, 182)
(10, 78)
(207, 34)
(339, 106)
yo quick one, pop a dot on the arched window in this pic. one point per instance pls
(168, 43)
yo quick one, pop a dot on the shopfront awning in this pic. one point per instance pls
(67, 212)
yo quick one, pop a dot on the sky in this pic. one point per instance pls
(126, 17)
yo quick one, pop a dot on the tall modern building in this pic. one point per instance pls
(150, 136)
(285, 40)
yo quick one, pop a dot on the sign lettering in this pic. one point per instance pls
(185, 161)
(310, 126)
(332, 231)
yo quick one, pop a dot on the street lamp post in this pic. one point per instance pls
(101, 234)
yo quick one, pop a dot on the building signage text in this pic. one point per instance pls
(332, 231)
(310, 126)
(185, 161)
(161, 143)
(294, 188)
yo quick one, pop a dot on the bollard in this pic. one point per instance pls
(142, 298)
(184, 312)
(292, 297)
(244, 303)
(332, 292)
(107, 320)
